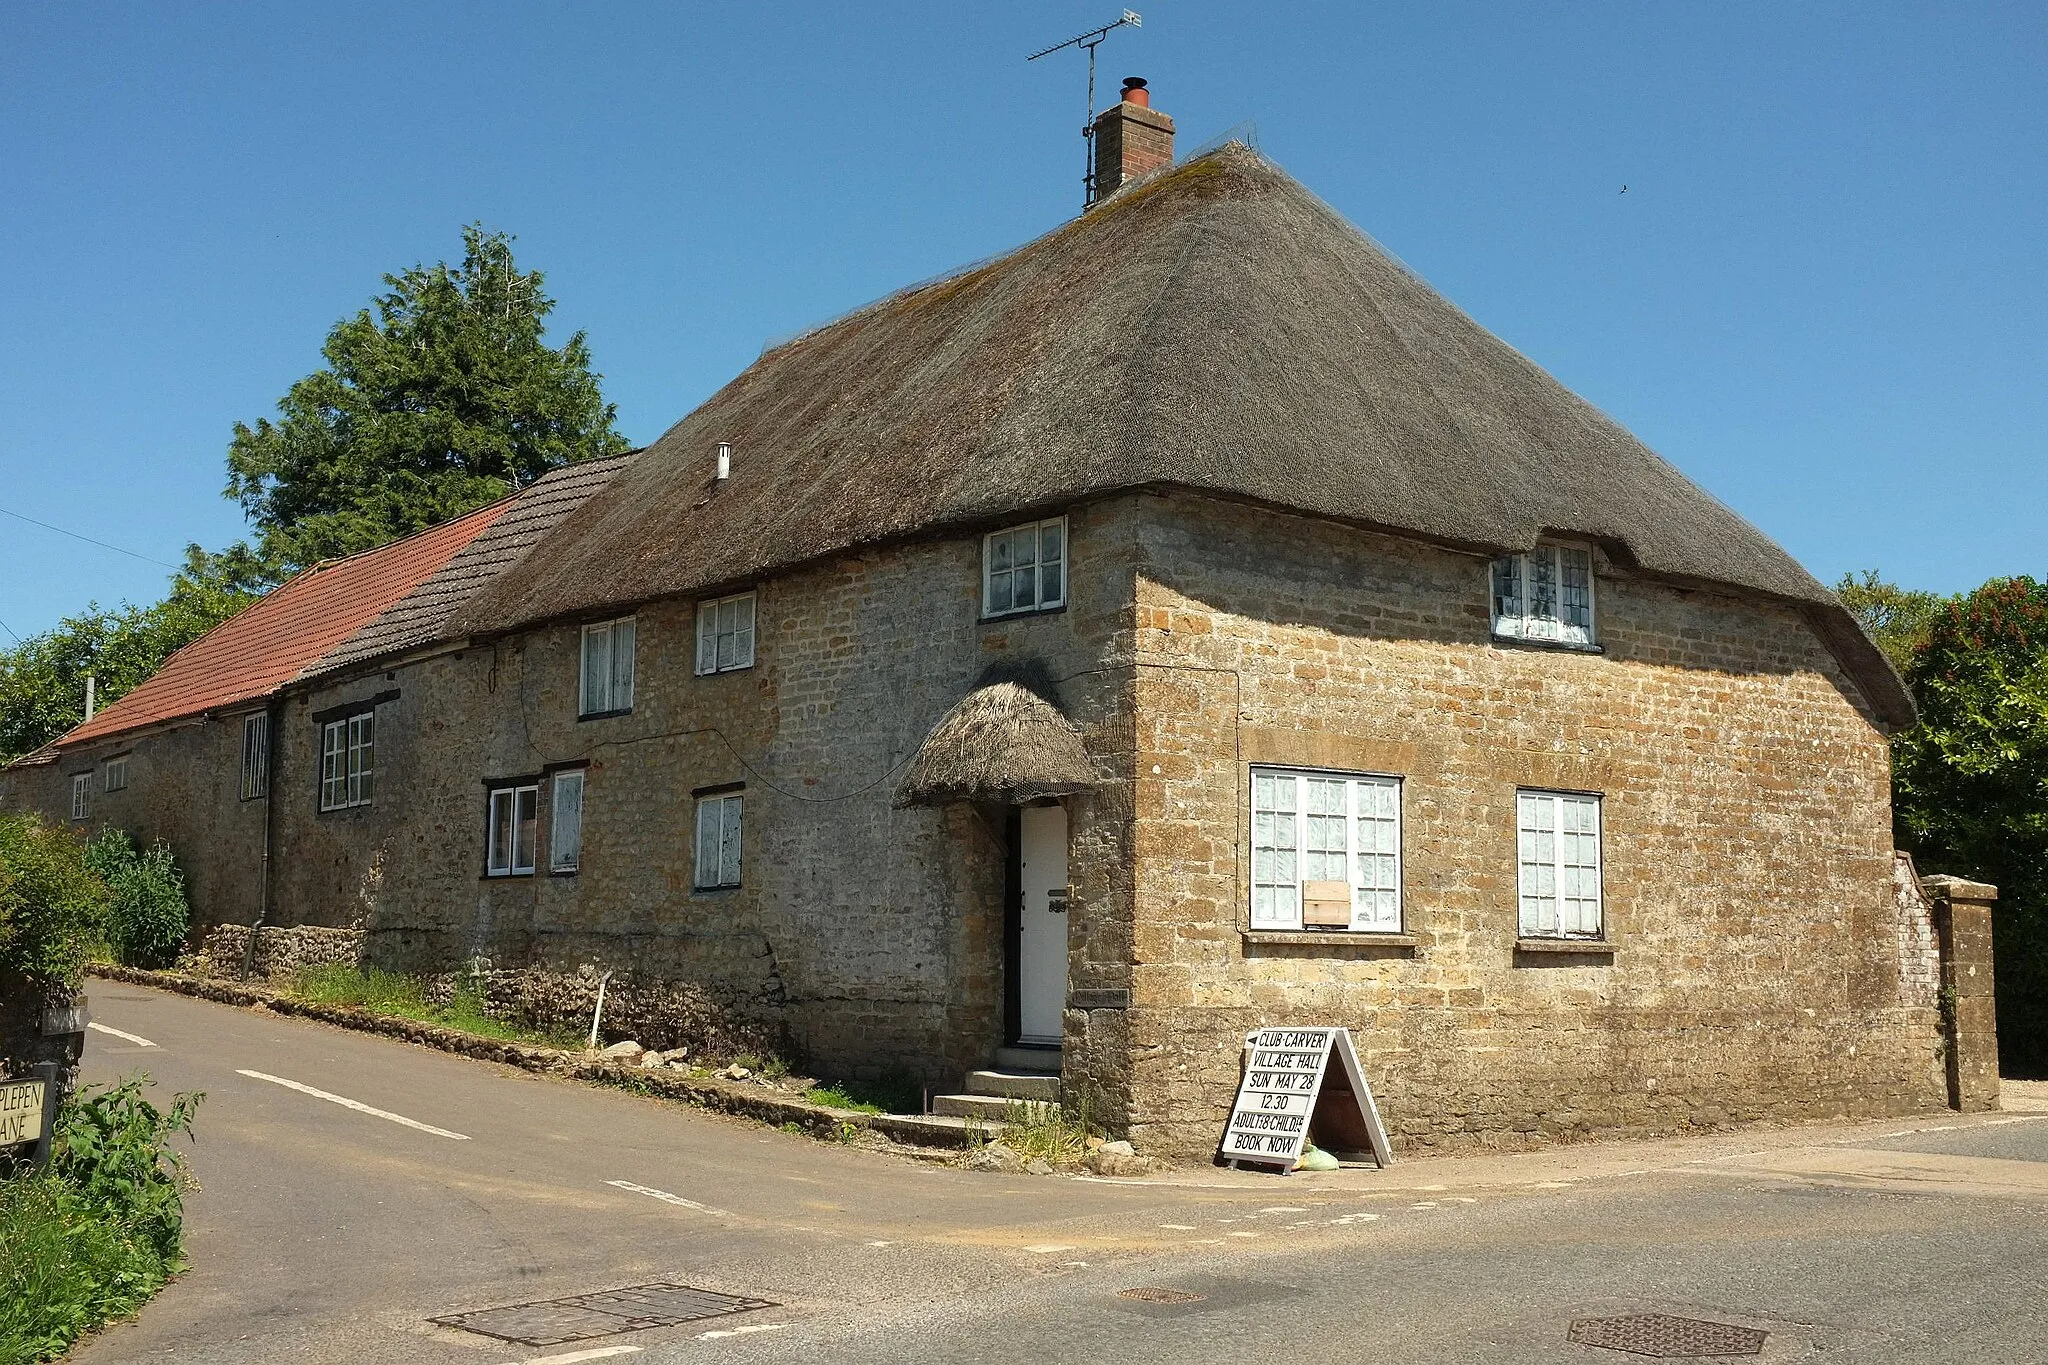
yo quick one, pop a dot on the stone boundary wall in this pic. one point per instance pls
(281, 951)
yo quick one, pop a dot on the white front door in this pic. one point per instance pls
(1042, 937)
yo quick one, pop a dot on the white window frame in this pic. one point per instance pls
(610, 691)
(81, 795)
(1281, 857)
(255, 756)
(725, 634)
(718, 846)
(510, 854)
(565, 854)
(1534, 596)
(999, 582)
(115, 776)
(1555, 870)
(348, 752)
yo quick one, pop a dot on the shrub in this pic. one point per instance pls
(93, 1236)
(147, 913)
(52, 907)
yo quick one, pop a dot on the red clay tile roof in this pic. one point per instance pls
(267, 644)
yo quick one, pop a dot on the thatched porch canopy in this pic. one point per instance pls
(1003, 744)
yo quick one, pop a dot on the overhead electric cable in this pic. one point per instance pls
(10, 630)
(87, 539)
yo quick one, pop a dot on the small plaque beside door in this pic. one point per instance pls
(1056, 899)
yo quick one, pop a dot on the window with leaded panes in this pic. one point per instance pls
(1024, 568)
(348, 761)
(1326, 851)
(1546, 594)
(1558, 848)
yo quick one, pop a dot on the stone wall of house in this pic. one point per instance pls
(871, 937)
(184, 787)
(1760, 967)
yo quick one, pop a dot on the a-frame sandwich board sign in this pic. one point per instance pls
(1296, 1079)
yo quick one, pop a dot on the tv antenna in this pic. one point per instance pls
(1090, 40)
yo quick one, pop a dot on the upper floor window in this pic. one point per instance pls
(1326, 851)
(255, 756)
(718, 841)
(514, 817)
(725, 634)
(1558, 848)
(347, 761)
(565, 822)
(1546, 594)
(81, 795)
(117, 774)
(607, 687)
(1024, 568)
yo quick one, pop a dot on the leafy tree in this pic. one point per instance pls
(52, 906)
(1971, 785)
(147, 913)
(1897, 618)
(443, 399)
(42, 679)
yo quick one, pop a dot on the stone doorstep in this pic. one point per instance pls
(926, 1130)
(988, 1108)
(1043, 1061)
(1015, 1085)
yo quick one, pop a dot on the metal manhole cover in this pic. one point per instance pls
(580, 1317)
(1660, 1334)
(1150, 1295)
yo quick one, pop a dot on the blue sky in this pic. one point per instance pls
(1823, 295)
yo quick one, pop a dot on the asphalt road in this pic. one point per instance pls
(332, 1231)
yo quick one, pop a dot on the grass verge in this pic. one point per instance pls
(391, 993)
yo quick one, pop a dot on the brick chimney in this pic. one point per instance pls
(1131, 140)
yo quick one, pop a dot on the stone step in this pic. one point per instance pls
(1015, 1085)
(934, 1130)
(1041, 1060)
(989, 1108)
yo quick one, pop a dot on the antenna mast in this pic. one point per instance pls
(1090, 40)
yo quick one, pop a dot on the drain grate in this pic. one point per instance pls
(1660, 1334)
(1152, 1295)
(580, 1317)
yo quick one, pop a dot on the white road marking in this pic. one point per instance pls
(98, 1027)
(1283, 1208)
(357, 1105)
(742, 1331)
(594, 1353)
(881, 1244)
(1050, 1247)
(664, 1196)
(1240, 1234)
(1179, 1227)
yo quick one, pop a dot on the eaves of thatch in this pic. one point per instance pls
(1217, 328)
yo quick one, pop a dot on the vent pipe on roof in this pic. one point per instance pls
(724, 460)
(89, 688)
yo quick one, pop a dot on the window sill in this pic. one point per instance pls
(1525, 642)
(1023, 614)
(507, 876)
(1342, 939)
(604, 715)
(1575, 947)
(721, 672)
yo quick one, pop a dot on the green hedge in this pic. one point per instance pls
(52, 906)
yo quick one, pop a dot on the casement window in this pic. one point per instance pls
(725, 634)
(255, 756)
(81, 795)
(1546, 594)
(117, 774)
(718, 842)
(1326, 851)
(565, 822)
(1558, 839)
(347, 761)
(1024, 568)
(607, 687)
(515, 813)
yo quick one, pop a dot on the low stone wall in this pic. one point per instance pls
(281, 952)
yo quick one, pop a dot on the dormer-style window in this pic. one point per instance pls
(1024, 569)
(1545, 595)
(725, 634)
(607, 686)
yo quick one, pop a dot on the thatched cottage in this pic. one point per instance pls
(1184, 623)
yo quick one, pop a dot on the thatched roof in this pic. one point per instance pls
(1003, 743)
(1217, 328)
